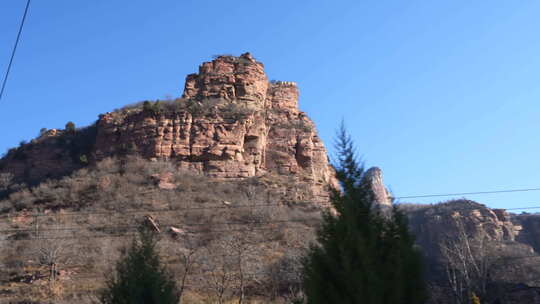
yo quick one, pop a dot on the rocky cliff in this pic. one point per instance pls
(432, 224)
(374, 178)
(529, 225)
(231, 122)
(464, 231)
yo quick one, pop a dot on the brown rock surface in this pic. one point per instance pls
(375, 180)
(164, 180)
(247, 127)
(230, 123)
(431, 224)
(48, 156)
(529, 226)
(228, 77)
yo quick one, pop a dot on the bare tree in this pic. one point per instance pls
(243, 252)
(219, 273)
(468, 261)
(230, 262)
(284, 276)
(189, 260)
(53, 255)
(52, 249)
(6, 180)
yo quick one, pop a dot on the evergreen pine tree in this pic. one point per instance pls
(139, 277)
(361, 255)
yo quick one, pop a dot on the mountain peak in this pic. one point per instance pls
(374, 178)
(231, 122)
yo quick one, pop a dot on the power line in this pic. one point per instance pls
(150, 211)
(523, 208)
(134, 211)
(199, 274)
(14, 49)
(208, 273)
(185, 225)
(196, 253)
(228, 206)
(97, 228)
(464, 208)
(134, 228)
(469, 193)
(120, 235)
(96, 275)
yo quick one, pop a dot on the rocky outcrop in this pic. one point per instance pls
(374, 179)
(469, 230)
(529, 225)
(231, 122)
(55, 153)
(432, 224)
(230, 78)
(164, 180)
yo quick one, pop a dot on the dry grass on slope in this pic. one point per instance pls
(61, 237)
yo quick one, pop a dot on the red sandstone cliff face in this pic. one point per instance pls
(231, 78)
(230, 123)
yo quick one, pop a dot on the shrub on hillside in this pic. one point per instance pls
(140, 277)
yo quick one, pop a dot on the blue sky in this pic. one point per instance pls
(442, 95)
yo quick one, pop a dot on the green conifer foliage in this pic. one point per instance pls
(139, 277)
(361, 255)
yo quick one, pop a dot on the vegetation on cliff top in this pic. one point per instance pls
(198, 108)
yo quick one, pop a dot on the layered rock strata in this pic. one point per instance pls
(245, 126)
(231, 122)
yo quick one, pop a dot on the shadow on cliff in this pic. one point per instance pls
(52, 155)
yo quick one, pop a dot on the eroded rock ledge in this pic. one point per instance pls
(231, 122)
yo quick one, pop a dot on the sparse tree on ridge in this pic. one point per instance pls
(361, 256)
(469, 262)
(70, 127)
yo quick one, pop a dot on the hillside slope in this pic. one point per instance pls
(231, 174)
(234, 178)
